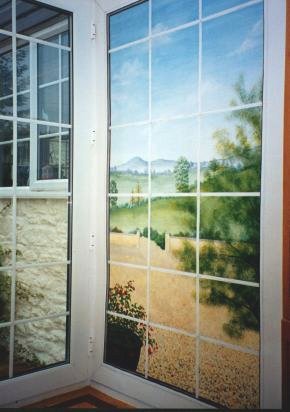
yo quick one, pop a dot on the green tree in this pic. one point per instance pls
(113, 189)
(181, 174)
(233, 221)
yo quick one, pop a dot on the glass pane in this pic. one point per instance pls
(129, 160)
(230, 312)
(233, 377)
(4, 352)
(172, 300)
(127, 292)
(172, 360)
(6, 84)
(41, 292)
(167, 14)
(215, 6)
(23, 130)
(233, 59)
(130, 84)
(175, 73)
(48, 103)
(23, 103)
(173, 167)
(230, 233)
(48, 158)
(65, 154)
(41, 21)
(5, 232)
(23, 161)
(65, 103)
(173, 231)
(125, 344)
(128, 220)
(6, 160)
(231, 151)
(65, 64)
(5, 295)
(136, 21)
(42, 226)
(6, 130)
(48, 62)
(6, 15)
(23, 66)
(39, 345)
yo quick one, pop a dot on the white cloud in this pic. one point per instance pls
(251, 41)
(128, 71)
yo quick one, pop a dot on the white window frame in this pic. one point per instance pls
(116, 381)
(28, 388)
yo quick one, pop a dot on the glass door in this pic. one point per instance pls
(185, 144)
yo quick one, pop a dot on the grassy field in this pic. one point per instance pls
(161, 183)
(170, 215)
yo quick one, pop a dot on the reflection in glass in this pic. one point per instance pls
(34, 20)
(232, 58)
(128, 229)
(23, 79)
(129, 160)
(5, 232)
(230, 233)
(233, 377)
(125, 344)
(167, 14)
(130, 84)
(47, 64)
(173, 360)
(4, 352)
(23, 161)
(5, 291)
(6, 84)
(211, 7)
(23, 130)
(127, 292)
(65, 154)
(174, 166)
(173, 231)
(6, 161)
(174, 68)
(6, 130)
(231, 151)
(230, 312)
(48, 103)
(39, 344)
(172, 300)
(42, 235)
(41, 292)
(6, 15)
(65, 102)
(136, 21)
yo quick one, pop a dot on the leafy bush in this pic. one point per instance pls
(120, 301)
(158, 238)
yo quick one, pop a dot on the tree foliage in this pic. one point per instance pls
(181, 174)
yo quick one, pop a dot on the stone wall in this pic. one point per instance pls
(41, 236)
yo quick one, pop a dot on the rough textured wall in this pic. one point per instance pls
(42, 227)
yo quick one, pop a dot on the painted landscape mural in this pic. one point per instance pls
(184, 198)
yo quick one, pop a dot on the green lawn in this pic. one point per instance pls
(171, 215)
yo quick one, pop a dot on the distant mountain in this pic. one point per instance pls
(136, 164)
(159, 166)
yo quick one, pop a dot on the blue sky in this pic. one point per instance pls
(232, 45)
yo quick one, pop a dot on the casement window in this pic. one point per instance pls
(43, 89)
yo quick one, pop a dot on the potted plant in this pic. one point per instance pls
(126, 337)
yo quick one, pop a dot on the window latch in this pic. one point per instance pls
(93, 31)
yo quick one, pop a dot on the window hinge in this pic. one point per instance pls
(93, 137)
(91, 345)
(93, 31)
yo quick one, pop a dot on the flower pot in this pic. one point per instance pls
(122, 347)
